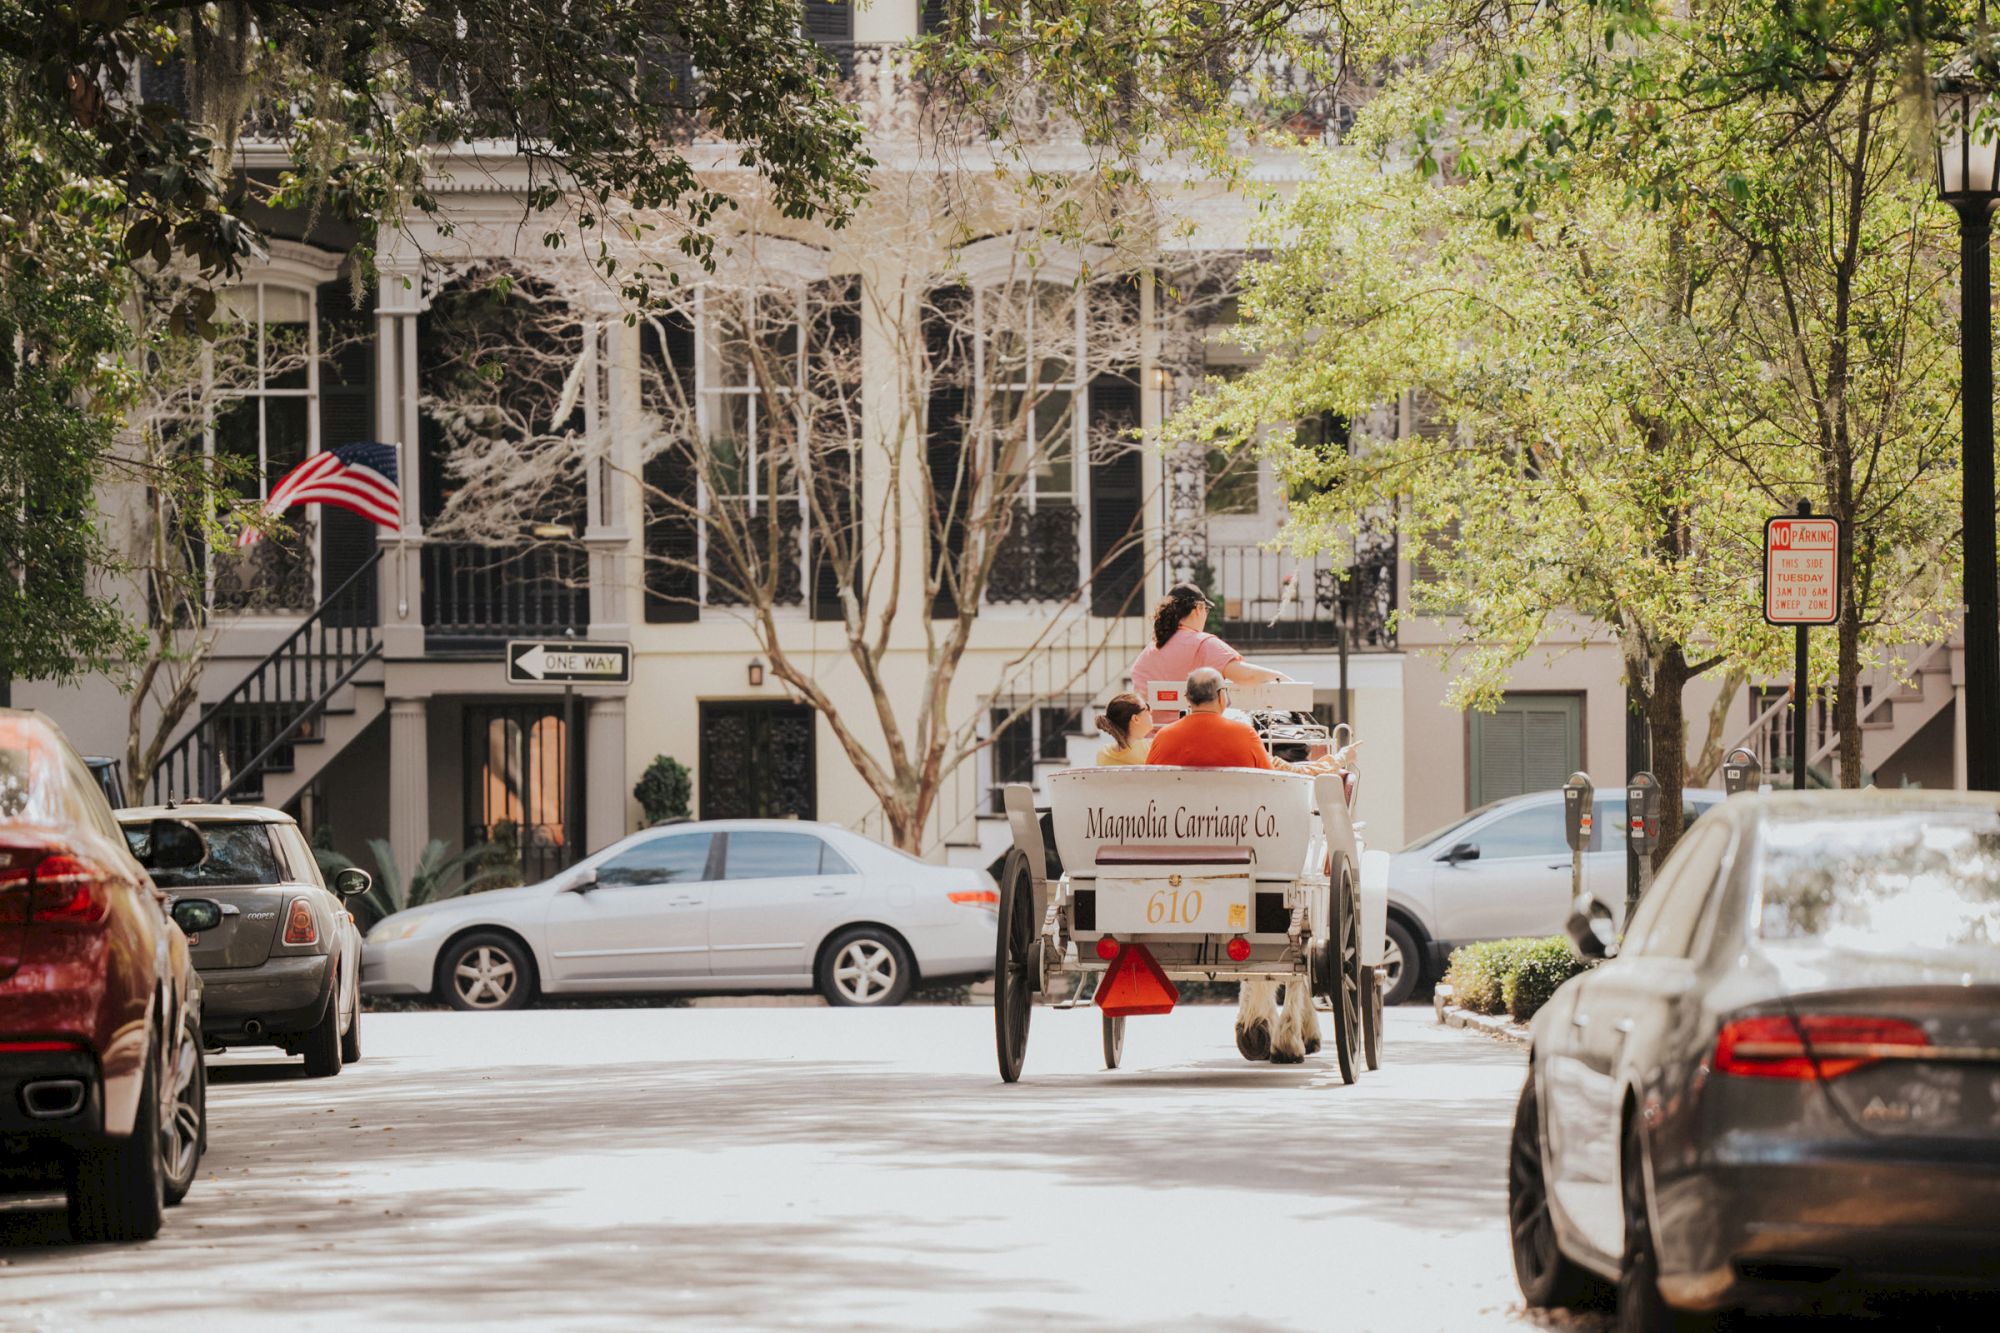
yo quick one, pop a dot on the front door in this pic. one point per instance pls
(1517, 884)
(757, 761)
(644, 922)
(520, 786)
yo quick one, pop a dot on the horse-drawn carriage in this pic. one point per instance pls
(1167, 874)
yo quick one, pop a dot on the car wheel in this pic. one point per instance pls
(117, 1187)
(1641, 1308)
(1402, 964)
(350, 1040)
(321, 1045)
(866, 968)
(486, 971)
(184, 1132)
(1547, 1277)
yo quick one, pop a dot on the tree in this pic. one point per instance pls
(1007, 369)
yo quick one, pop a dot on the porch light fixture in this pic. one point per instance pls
(756, 673)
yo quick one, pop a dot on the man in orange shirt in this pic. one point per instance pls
(1207, 739)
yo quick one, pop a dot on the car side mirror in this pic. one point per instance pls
(1464, 851)
(174, 844)
(194, 915)
(352, 882)
(583, 882)
(1592, 933)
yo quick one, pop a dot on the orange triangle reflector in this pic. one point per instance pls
(1134, 984)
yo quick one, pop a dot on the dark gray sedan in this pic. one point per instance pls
(1784, 1089)
(284, 966)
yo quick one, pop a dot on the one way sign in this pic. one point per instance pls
(568, 662)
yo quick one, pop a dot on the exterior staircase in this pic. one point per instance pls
(278, 727)
(1895, 706)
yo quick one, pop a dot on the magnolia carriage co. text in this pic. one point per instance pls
(1154, 822)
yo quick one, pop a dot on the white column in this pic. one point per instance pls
(606, 777)
(607, 533)
(409, 782)
(399, 303)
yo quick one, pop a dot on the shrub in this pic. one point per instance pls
(1545, 966)
(664, 789)
(1478, 973)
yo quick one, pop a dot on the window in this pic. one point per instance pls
(1535, 831)
(1530, 743)
(267, 375)
(1607, 820)
(1909, 882)
(751, 366)
(1232, 482)
(238, 855)
(760, 855)
(1664, 926)
(678, 858)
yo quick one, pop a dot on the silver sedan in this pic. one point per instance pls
(730, 905)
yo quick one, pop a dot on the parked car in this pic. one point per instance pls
(101, 1081)
(284, 966)
(1785, 1086)
(729, 905)
(1499, 872)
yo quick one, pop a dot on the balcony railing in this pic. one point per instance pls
(477, 597)
(1272, 600)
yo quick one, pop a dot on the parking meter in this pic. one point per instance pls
(1741, 771)
(1577, 797)
(1642, 831)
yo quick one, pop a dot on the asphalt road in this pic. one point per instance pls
(784, 1166)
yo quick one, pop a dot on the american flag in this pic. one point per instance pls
(360, 478)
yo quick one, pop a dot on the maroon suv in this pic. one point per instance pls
(101, 1083)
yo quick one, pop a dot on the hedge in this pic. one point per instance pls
(1515, 976)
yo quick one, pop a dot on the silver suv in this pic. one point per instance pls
(284, 967)
(1500, 872)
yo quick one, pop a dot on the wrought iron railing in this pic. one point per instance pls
(1273, 600)
(250, 731)
(476, 597)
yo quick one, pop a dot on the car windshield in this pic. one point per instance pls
(238, 855)
(1901, 881)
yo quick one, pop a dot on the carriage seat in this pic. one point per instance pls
(1174, 854)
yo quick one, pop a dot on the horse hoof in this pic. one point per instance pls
(1287, 1058)
(1312, 1045)
(1254, 1042)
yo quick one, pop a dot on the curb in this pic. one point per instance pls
(1498, 1027)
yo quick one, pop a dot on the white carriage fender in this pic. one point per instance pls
(1374, 906)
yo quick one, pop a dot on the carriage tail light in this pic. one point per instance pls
(977, 898)
(300, 928)
(1107, 948)
(1239, 949)
(1777, 1046)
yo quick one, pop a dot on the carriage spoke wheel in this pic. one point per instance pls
(1014, 980)
(1114, 1040)
(1344, 950)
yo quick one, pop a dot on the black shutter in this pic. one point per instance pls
(945, 444)
(836, 446)
(932, 16)
(346, 416)
(831, 24)
(673, 538)
(1117, 494)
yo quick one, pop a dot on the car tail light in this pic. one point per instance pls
(1239, 949)
(300, 928)
(50, 889)
(1778, 1046)
(39, 1047)
(980, 898)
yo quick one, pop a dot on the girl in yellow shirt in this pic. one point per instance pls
(1129, 724)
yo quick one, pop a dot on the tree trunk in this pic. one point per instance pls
(1666, 719)
(1847, 695)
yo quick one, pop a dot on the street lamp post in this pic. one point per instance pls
(1968, 162)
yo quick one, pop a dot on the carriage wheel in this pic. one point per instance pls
(1371, 1013)
(1114, 1040)
(1344, 952)
(1014, 979)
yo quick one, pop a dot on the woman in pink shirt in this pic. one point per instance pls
(1181, 643)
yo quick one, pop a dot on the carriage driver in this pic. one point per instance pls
(1207, 739)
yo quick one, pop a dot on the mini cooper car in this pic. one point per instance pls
(284, 967)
